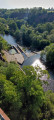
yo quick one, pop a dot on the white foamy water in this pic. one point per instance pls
(37, 62)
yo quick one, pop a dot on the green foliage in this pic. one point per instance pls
(32, 28)
(23, 94)
(49, 55)
(48, 107)
(17, 35)
(51, 38)
(2, 28)
(49, 27)
(0, 46)
(11, 69)
(12, 25)
(20, 23)
(3, 44)
(26, 38)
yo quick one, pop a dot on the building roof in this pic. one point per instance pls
(3, 116)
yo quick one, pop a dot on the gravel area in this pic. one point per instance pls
(18, 58)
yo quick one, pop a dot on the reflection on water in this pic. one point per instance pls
(30, 60)
(9, 39)
(38, 63)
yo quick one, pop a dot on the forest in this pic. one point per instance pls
(22, 96)
(23, 25)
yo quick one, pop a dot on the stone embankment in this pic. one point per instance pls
(18, 57)
(20, 49)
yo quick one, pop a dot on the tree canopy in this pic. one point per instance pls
(22, 95)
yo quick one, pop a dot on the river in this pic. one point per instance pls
(33, 60)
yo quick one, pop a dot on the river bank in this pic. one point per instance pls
(33, 60)
(18, 58)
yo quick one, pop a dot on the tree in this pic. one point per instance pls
(49, 55)
(31, 92)
(49, 27)
(12, 26)
(11, 69)
(51, 38)
(0, 46)
(17, 35)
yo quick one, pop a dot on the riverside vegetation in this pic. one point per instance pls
(21, 95)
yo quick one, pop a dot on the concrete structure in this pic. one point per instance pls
(18, 58)
(3, 116)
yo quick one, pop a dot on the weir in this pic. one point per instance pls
(32, 60)
(20, 49)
